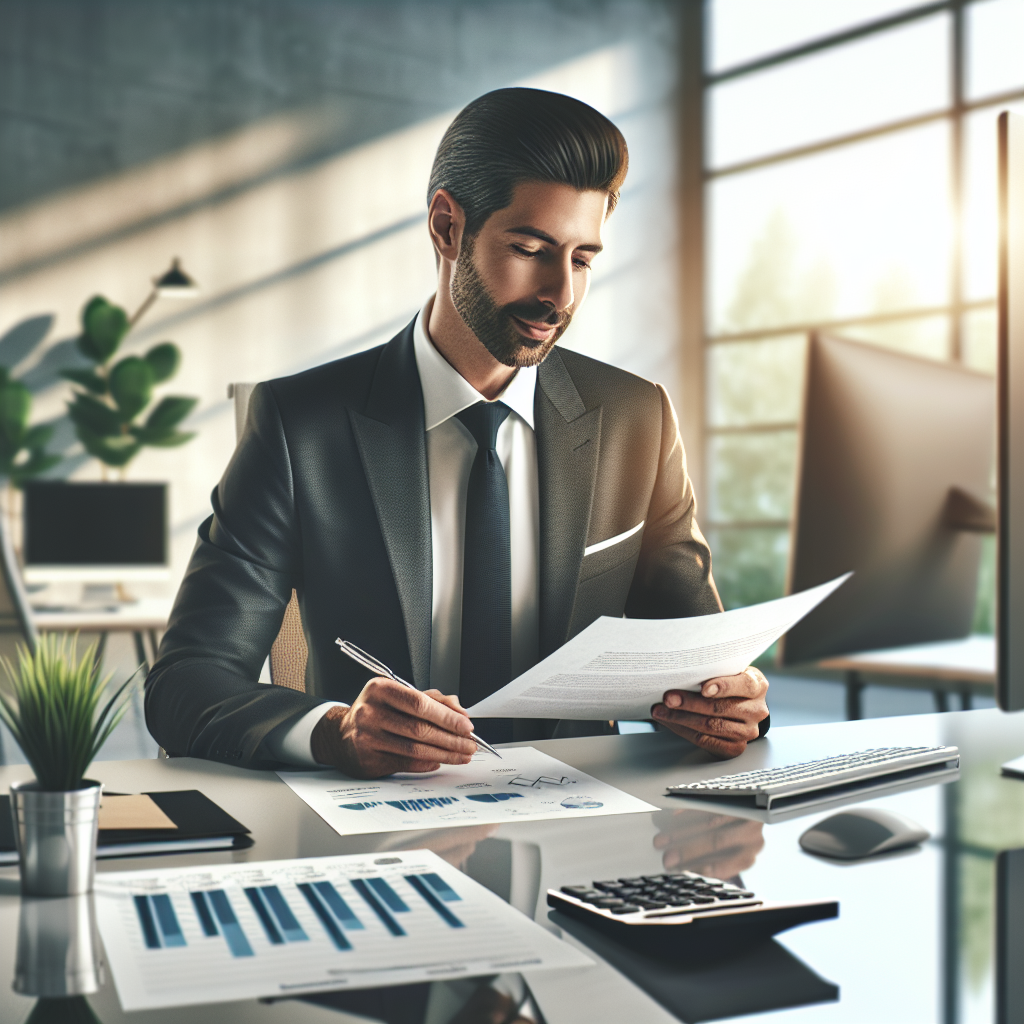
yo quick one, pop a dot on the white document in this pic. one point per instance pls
(522, 785)
(291, 927)
(619, 668)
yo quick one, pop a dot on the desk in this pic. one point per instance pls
(963, 666)
(913, 941)
(145, 617)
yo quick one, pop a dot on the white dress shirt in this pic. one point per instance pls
(450, 453)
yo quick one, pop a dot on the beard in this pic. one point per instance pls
(492, 324)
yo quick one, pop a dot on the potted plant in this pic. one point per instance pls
(110, 399)
(55, 716)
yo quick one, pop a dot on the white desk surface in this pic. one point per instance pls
(144, 614)
(914, 935)
(972, 659)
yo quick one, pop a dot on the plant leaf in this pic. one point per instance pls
(87, 378)
(170, 412)
(15, 403)
(131, 384)
(104, 325)
(96, 417)
(164, 359)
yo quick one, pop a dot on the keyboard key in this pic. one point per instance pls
(628, 909)
(607, 903)
(703, 899)
(631, 881)
(611, 885)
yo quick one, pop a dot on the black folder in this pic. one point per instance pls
(202, 825)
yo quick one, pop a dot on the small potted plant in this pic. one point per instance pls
(54, 715)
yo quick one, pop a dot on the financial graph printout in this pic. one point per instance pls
(523, 785)
(290, 927)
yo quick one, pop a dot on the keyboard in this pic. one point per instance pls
(647, 904)
(827, 778)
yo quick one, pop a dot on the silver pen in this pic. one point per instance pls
(369, 661)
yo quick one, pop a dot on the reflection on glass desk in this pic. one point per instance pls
(915, 939)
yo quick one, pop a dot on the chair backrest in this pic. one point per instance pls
(16, 624)
(289, 654)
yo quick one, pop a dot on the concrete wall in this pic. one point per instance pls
(281, 149)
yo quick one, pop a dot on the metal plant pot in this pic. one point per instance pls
(56, 837)
(58, 955)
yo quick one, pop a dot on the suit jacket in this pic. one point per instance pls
(327, 493)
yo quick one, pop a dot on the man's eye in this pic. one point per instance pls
(581, 264)
(525, 252)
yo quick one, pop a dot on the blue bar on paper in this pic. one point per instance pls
(388, 895)
(168, 920)
(264, 915)
(290, 927)
(441, 887)
(203, 913)
(426, 803)
(229, 926)
(146, 920)
(326, 920)
(427, 893)
(338, 906)
(360, 886)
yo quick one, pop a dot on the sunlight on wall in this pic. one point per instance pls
(302, 256)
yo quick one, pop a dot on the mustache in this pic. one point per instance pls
(539, 313)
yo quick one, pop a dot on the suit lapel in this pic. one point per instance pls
(568, 444)
(392, 447)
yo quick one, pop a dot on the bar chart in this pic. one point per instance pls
(247, 930)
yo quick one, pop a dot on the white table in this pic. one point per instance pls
(141, 618)
(962, 666)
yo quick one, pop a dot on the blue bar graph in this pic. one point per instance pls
(423, 803)
(290, 927)
(428, 894)
(167, 920)
(264, 915)
(388, 895)
(203, 913)
(229, 926)
(441, 887)
(360, 886)
(326, 920)
(493, 798)
(149, 934)
(338, 906)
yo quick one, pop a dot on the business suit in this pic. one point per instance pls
(328, 493)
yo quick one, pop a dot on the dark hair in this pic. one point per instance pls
(510, 136)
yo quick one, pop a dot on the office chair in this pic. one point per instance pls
(289, 655)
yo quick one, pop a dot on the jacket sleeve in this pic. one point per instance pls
(673, 574)
(202, 698)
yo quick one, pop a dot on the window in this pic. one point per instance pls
(849, 184)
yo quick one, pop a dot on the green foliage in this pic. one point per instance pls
(111, 397)
(23, 452)
(55, 714)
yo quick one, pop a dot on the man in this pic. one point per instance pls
(458, 502)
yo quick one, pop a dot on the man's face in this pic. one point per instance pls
(520, 279)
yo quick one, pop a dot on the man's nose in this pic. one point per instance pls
(557, 285)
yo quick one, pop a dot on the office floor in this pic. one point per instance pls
(794, 701)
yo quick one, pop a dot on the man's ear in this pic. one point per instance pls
(446, 222)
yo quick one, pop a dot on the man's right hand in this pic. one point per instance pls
(390, 728)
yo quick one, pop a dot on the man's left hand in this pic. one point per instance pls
(722, 718)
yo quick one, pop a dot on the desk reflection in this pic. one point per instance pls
(710, 844)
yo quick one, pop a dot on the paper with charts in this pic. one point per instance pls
(292, 927)
(619, 668)
(523, 785)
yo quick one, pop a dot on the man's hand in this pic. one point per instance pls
(723, 717)
(391, 728)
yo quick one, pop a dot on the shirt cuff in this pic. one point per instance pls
(292, 744)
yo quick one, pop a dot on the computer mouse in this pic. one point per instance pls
(862, 832)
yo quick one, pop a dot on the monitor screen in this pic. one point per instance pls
(94, 526)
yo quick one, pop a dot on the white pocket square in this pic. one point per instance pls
(611, 541)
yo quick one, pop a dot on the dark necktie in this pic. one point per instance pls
(486, 658)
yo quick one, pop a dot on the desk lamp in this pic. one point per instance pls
(173, 284)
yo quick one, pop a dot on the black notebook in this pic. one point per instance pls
(202, 825)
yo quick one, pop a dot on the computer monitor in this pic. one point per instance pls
(95, 532)
(895, 456)
(1010, 561)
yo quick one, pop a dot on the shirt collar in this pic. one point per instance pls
(446, 392)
